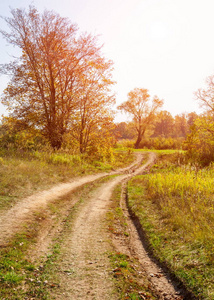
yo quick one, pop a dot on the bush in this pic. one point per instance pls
(161, 143)
(200, 142)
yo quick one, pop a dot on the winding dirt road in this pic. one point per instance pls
(12, 221)
(85, 268)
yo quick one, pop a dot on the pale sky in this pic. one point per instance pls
(165, 46)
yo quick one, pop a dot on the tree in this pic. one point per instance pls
(16, 134)
(142, 109)
(200, 141)
(206, 96)
(124, 130)
(93, 111)
(48, 79)
(163, 125)
(191, 117)
(180, 126)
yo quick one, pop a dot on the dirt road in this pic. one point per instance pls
(85, 270)
(11, 222)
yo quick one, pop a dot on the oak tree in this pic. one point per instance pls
(142, 109)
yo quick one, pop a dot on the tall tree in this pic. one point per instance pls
(142, 109)
(206, 96)
(47, 79)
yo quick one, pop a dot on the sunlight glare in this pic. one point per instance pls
(158, 31)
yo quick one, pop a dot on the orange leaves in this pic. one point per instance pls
(142, 109)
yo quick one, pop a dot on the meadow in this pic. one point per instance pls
(175, 205)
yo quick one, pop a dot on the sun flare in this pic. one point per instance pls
(158, 30)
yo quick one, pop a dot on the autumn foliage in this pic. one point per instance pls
(142, 109)
(61, 82)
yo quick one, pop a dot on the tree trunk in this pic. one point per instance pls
(137, 143)
(56, 138)
(56, 144)
(139, 138)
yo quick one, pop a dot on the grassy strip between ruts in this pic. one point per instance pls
(130, 280)
(175, 206)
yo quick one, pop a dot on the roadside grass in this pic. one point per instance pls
(19, 277)
(161, 152)
(129, 277)
(175, 205)
(25, 173)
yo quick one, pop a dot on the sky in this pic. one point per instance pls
(165, 46)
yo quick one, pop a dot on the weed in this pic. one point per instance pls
(12, 278)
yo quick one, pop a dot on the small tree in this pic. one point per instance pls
(124, 130)
(200, 141)
(206, 96)
(180, 126)
(142, 109)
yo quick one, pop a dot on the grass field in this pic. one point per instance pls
(175, 205)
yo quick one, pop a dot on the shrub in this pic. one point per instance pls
(161, 143)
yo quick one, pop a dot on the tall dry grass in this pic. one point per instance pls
(25, 172)
(175, 205)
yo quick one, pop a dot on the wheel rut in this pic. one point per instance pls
(84, 269)
(85, 252)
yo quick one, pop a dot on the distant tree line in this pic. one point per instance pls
(163, 125)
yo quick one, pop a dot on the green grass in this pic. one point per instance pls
(19, 278)
(176, 208)
(161, 152)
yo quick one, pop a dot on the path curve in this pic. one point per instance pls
(12, 220)
(85, 268)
